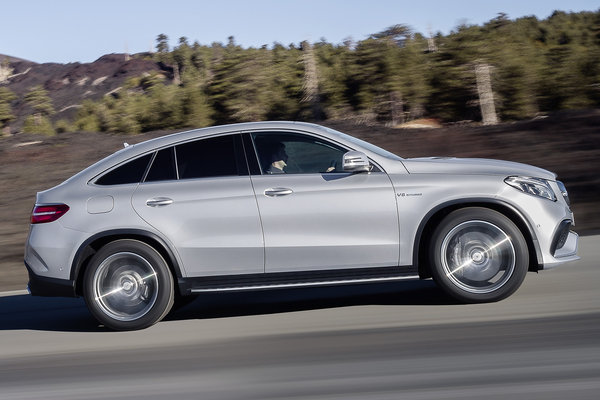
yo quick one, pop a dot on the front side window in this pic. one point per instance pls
(293, 153)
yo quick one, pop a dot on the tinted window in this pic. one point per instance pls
(163, 167)
(208, 158)
(131, 172)
(301, 154)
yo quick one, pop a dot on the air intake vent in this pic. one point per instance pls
(562, 233)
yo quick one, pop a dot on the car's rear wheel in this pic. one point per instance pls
(478, 255)
(128, 285)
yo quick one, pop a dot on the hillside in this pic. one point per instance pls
(567, 143)
(69, 84)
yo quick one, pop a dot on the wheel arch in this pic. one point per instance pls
(97, 241)
(435, 216)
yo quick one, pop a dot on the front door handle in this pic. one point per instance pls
(159, 202)
(276, 192)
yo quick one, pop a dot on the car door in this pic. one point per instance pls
(314, 215)
(200, 197)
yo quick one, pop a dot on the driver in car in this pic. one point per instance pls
(278, 159)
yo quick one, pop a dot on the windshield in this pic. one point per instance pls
(366, 145)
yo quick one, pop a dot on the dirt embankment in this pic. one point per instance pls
(566, 143)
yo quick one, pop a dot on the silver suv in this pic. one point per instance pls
(282, 204)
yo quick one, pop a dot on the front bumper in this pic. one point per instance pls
(559, 246)
(564, 251)
(49, 287)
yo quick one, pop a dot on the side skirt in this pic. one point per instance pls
(280, 280)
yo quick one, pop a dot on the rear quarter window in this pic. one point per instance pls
(130, 172)
(163, 167)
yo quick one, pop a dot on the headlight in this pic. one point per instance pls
(534, 186)
(563, 191)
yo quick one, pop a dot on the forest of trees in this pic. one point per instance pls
(393, 76)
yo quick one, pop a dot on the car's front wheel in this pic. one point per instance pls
(128, 285)
(478, 255)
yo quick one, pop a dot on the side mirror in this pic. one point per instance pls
(356, 161)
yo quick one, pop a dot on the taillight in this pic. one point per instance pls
(48, 213)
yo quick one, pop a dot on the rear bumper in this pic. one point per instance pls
(49, 287)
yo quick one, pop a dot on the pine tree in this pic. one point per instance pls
(37, 98)
(6, 114)
(415, 74)
(239, 89)
(162, 44)
(285, 83)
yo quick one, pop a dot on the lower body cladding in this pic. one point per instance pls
(47, 286)
(295, 279)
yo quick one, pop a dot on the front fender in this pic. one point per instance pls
(436, 214)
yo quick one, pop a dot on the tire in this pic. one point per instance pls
(128, 285)
(478, 255)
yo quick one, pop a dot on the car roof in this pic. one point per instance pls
(133, 151)
(222, 129)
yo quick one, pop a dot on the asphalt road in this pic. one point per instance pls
(400, 341)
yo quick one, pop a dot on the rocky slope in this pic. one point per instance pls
(69, 84)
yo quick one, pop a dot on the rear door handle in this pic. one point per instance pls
(276, 192)
(159, 202)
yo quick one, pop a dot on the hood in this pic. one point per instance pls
(473, 166)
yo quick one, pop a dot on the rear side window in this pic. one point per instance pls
(208, 158)
(130, 172)
(163, 167)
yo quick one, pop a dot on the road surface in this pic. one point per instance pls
(404, 340)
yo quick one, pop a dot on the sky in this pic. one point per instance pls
(66, 31)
